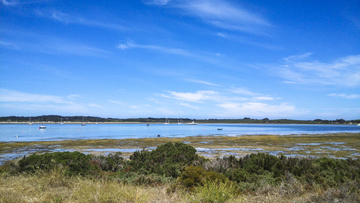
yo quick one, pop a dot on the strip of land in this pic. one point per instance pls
(337, 145)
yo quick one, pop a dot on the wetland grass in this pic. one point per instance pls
(318, 145)
(187, 177)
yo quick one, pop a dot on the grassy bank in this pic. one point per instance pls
(55, 187)
(174, 172)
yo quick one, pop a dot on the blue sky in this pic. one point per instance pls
(189, 58)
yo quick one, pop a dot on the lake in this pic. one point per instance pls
(54, 132)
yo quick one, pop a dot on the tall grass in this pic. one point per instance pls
(55, 187)
(164, 176)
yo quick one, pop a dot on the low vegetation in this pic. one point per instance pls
(173, 172)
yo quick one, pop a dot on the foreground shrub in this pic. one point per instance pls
(215, 192)
(74, 163)
(134, 178)
(194, 176)
(168, 159)
(110, 163)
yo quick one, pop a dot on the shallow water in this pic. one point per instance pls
(53, 132)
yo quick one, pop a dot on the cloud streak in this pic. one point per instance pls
(345, 96)
(71, 19)
(341, 72)
(16, 96)
(129, 44)
(16, 100)
(259, 109)
(221, 14)
(231, 104)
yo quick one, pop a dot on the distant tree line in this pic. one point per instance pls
(246, 120)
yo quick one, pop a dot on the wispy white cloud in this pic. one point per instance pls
(346, 96)
(73, 19)
(20, 2)
(16, 100)
(9, 2)
(294, 58)
(223, 14)
(258, 109)
(95, 105)
(16, 96)
(198, 96)
(188, 105)
(246, 40)
(263, 98)
(202, 82)
(116, 102)
(243, 91)
(341, 72)
(9, 45)
(34, 42)
(157, 2)
(229, 95)
(228, 103)
(130, 44)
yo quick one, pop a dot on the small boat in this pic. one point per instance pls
(358, 124)
(42, 127)
(192, 123)
(166, 122)
(83, 123)
(30, 123)
(61, 123)
(148, 124)
(219, 128)
(179, 122)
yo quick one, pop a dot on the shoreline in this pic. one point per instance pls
(100, 123)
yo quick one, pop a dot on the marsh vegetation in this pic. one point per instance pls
(174, 172)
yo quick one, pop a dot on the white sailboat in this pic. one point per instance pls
(30, 123)
(192, 123)
(179, 121)
(166, 122)
(42, 127)
(61, 123)
(83, 123)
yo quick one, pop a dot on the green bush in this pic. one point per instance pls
(110, 163)
(74, 163)
(194, 176)
(213, 192)
(148, 180)
(168, 159)
(326, 172)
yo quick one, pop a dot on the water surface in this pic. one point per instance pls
(54, 132)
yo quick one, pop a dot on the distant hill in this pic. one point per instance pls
(58, 118)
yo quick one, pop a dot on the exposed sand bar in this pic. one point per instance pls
(337, 145)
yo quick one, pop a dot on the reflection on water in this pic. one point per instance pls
(24, 132)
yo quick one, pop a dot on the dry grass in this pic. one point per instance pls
(55, 187)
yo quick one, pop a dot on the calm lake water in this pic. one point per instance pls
(53, 132)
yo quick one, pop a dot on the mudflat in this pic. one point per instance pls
(337, 145)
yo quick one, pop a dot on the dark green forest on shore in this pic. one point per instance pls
(58, 118)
